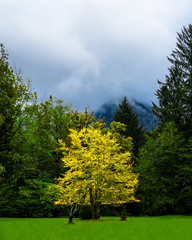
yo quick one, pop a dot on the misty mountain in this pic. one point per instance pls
(146, 116)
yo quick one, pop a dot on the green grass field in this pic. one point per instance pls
(108, 228)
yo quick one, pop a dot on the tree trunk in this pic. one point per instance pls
(123, 213)
(95, 208)
(45, 212)
(73, 209)
(70, 219)
(95, 205)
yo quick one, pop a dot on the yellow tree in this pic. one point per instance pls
(99, 172)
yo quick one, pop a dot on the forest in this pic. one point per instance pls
(57, 161)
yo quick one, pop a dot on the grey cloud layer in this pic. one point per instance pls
(89, 51)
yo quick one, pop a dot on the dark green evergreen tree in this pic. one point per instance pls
(165, 160)
(175, 94)
(125, 114)
(165, 173)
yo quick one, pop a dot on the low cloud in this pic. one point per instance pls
(88, 51)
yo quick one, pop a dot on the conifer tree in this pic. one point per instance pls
(165, 168)
(125, 114)
(175, 94)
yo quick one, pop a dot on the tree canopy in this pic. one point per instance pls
(175, 94)
(98, 172)
(165, 173)
(125, 114)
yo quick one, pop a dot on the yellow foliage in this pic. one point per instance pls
(97, 168)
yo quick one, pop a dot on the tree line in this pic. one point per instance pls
(54, 159)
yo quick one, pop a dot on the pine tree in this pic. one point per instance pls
(165, 168)
(125, 114)
(175, 94)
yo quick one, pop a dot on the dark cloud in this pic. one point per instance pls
(88, 52)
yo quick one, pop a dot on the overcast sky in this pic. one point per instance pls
(91, 51)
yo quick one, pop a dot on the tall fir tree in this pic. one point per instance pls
(165, 159)
(175, 94)
(125, 114)
(165, 168)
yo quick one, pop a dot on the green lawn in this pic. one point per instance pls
(108, 228)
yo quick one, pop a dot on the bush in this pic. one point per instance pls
(85, 212)
(134, 208)
(109, 210)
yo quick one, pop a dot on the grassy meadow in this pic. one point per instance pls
(141, 228)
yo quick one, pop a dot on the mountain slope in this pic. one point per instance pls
(146, 116)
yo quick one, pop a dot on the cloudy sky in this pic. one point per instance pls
(91, 51)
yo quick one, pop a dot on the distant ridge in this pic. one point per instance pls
(146, 116)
